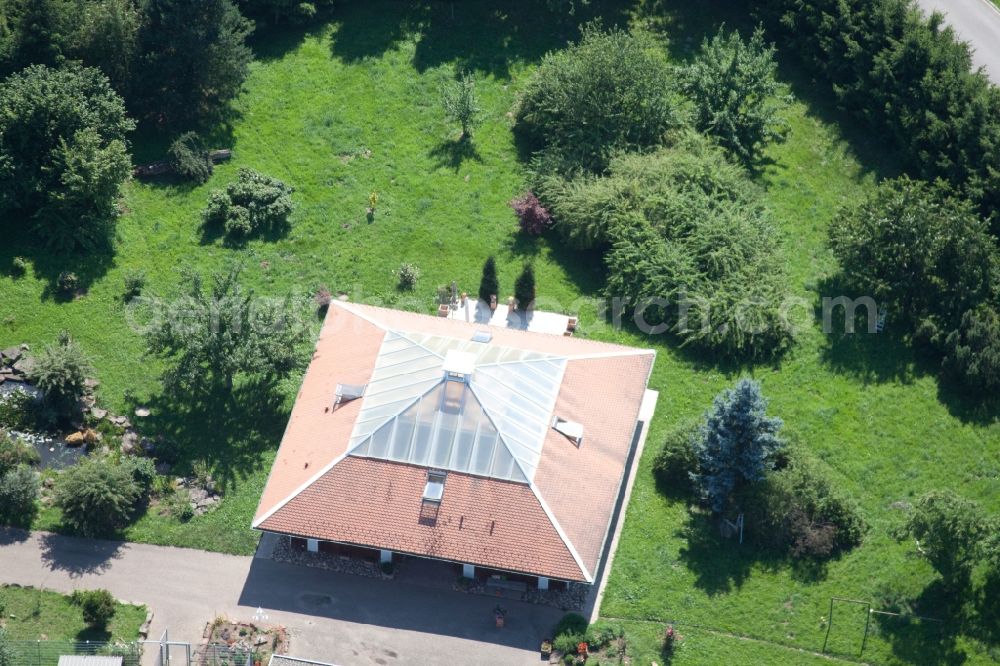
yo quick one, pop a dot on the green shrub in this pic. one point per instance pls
(19, 267)
(571, 623)
(63, 154)
(7, 655)
(683, 231)
(135, 282)
(189, 159)
(254, 203)
(524, 289)
(676, 463)
(972, 352)
(797, 511)
(60, 372)
(67, 283)
(18, 494)
(19, 410)
(602, 633)
(612, 91)
(14, 452)
(97, 497)
(98, 606)
(734, 87)
(567, 643)
(923, 255)
(951, 531)
(460, 104)
(407, 276)
(143, 471)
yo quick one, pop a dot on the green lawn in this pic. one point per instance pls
(29, 614)
(352, 107)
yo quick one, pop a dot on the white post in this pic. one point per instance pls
(312, 545)
(543, 583)
(469, 570)
(385, 556)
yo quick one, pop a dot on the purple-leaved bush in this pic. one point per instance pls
(533, 217)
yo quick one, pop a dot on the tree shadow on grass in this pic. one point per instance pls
(79, 557)
(270, 43)
(924, 641)
(453, 152)
(892, 356)
(212, 232)
(228, 431)
(47, 265)
(721, 565)
(478, 36)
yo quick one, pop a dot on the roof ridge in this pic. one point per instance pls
(562, 534)
(356, 309)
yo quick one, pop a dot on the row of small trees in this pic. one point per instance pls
(524, 285)
(909, 79)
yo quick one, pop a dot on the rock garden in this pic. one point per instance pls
(227, 641)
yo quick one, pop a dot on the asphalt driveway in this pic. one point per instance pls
(332, 617)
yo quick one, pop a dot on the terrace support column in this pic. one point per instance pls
(469, 570)
(543, 583)
(385, 556)
(312, 545)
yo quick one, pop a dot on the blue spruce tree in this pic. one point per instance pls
(736, 442)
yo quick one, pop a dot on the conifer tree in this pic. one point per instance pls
(489, 285)
(736, 442)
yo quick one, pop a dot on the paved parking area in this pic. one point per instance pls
(330, 616)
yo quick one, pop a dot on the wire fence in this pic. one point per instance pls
(223, 655)
(47, 653)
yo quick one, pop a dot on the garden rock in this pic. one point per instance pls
(98, 413)
(130, 442)
(10, 355)
(24, 365)
(76, 439)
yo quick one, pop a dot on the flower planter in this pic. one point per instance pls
(443, 310)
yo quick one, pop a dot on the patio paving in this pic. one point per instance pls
(536, 321)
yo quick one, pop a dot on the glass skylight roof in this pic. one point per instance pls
(492, 423)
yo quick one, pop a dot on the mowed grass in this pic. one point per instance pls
(352, 107)
(30, 614)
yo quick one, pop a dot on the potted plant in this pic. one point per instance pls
(546, 648)
(500, 615)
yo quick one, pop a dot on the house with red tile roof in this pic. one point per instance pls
(502, 451)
